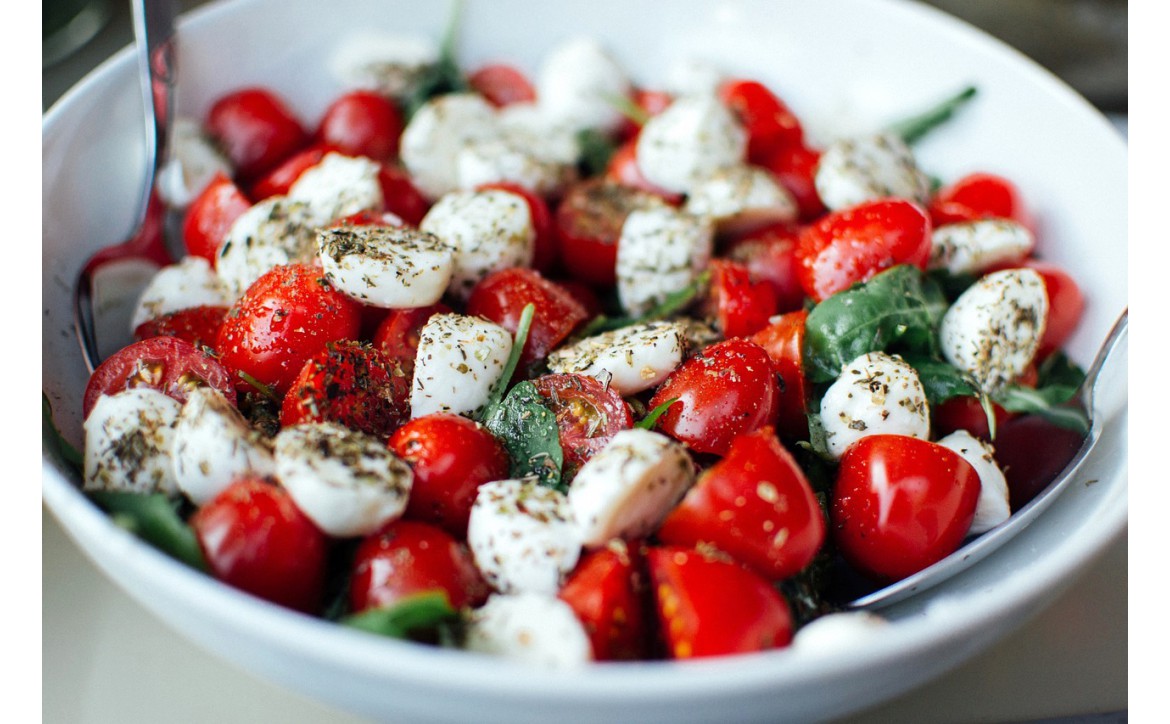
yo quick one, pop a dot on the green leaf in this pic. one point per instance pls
(528, 430)
(416, 617)
(672, 304)
(55, 441)
(154, 518)
(1047, 402)
(1058, 369)
(647, 422)
(941, 381)
(952, 285)
(596, 150)
(914, 128)
(445, 75)
(496, 395)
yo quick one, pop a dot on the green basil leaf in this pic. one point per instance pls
(496, 395)
(55, 441)
(1058, 369)
(916, 127)
(596, 150)
(420, 616)
(647, 422)
(154, 518)
(528, 430)
(941, 381)
(444, 76)
(952, 285)
(672, 304)
(1048, 402)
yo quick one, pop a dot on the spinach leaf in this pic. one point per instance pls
(154, 518)
(596, 150)
(672, 304)
(647, 422)
(914, 128)
(444, 76)
(528, 430)
(55, 441)
(418, 617)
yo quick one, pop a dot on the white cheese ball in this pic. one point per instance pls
(739, 198)
(437, 132)
(994, 328)
(630, 359)
(510, 157)
(627, 488)
(660, 251)
(347, 482)
(875, 394)
(128, 442)
(974, 246)
(194, 161)
(273, 232)
(549, 138)
(993, 507)
(190, 283)
(522, 536)
(214, 446)
(577, 84)
(866, 168)
(458, 360)
(837, 631)
(687, 142)
(529, 627)
(386, 266)
(338, 186)
(385, 63)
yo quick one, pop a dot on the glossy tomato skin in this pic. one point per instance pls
(407, 558)
(755, 505)
(724, 391)
(401, 196)
(256, 539)
(398, 334)
(966, 413)
(588, 414)
(362, 123)
(285, 317)
(769, 123)
(197, 325)
(709, 606)
(783, 340)
(256, 129)
(167, 364)
(979, 196)
(1066, 306)
(279, 180)
(901, 504)
(211, 215)
(1032, 452)
(451, 457)
(795, 167)
(502, 296)
(770, 255)
(623, 168)
(501, 85)
(850, 246)
(607, 591)
(588, 223)
(544, 256)
(739, 303)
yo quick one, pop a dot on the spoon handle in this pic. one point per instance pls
(154, 31)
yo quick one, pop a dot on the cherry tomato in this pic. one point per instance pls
(451, 457)
(770, 255)
(623, 169)
(197, 325)
(401, 196)
(362, 123)
(724, 391)
(852, 245)
(979, 196)
(352, 384)
(966, 413)
(588, 224)
(769, 123)
(406, 558)
(256, 539)
(544, 256)
(783, 340)
(795, 167)
(397, 335)
(1032, 452)
(650, 103)
(211, 215)
(501, 85)
(606, 591)
(755, 505)
(284, 318)
(1066, 306)
(712, 607)
(739, 304)
(584, 295)
(502, 296)
(588, 414)
(255, 129)
(167, 364)
(279, 180)
(901, 504)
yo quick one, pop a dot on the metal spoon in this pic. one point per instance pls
(1115, 351)
(145, 248)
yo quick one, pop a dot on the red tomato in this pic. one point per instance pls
(352, 384)
(606, 591)
(650, 103)
(197, 325)
(588, 414)
(211, 215)
(584, 295)
(1066, 305)
(588, 224)
(770, 255)
(397, 335)
(502, 296)
(451, 457)
(783, 340)
(755, 505)
(1032, 452)
(362, 123)
(724, 391)
(739, 304)
(712, 607)
(623, 169)
(284, 318)
(769, 123)
(501, 85)
(166, 364)
(400, 195)
(406, 558)
(544, 256)
(256, 539)
(901, 504)
(979, 196)
(795, 167)
(965, 413)
(255, 129)
(279, 180)
(852, 245)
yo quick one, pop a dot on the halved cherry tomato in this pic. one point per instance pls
(1066, 306)
(397, 335)
(401, 196)
(256, 539)
(966, 413)
(588, 414)
(724, 391)
(769, 122)
(795, 167)
(783, 340)
(770, 255)
(451, 457)
(755, 505)
(852, 245)
(352, 384)
(197, 325)
(740, 304)
(588, 224)
(1032, 451)
(167, 364)
(623, 168)
(285, 317)
(501, 85)
(502, 296)
(407, 557)
(211, 215)
(650, 103)
(901, 504)
(255, 129)
(708, 606)
(607, 592)
(544, 256)
(979, 196)
(279, 180)
(362, 123)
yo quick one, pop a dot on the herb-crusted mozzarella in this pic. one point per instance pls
(577, 84)
(435, 135)
(339, 186)
(190, 283)
(522, 536)
(510, 157)
(855, 170)
(993, 507)
(689, 141)
(550, 139)
(214, 446)
(386, 266)
(660, 251)
(875, 394)
(837, 631)
(627, 488)
(488, 230)
(994, 328)
(386, 63)
(128, 442)
(273, 232)
(529, 627)
(633, 358)
(193, 162)
(975, 246)
(458, 360)
(740, 197)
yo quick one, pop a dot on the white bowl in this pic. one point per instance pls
(842, 66)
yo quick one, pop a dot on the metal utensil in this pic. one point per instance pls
(127, 265)
(1114, 352)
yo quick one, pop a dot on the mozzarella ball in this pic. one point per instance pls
(875, 394)
(510, 157)
(529, 627)
(128, 442)
(689, 141)
(337, 187)
(973, 247)
(459, 359)
(214, 446)
(385, 63)
(993, 507)
(272, 233)
(437, 132)
(660, 251)
(837, 631)
(630, 359)
(577, 84)
(739, 198)
(855, 170)
(386, 266)
(190, 283)
(194, 161)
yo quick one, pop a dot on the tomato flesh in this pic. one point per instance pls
(770, 255)
(588, 224)
(398, 334)
(783, 340)
(740, 304)
(502, 296)
(588, 414)
(607, 592)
